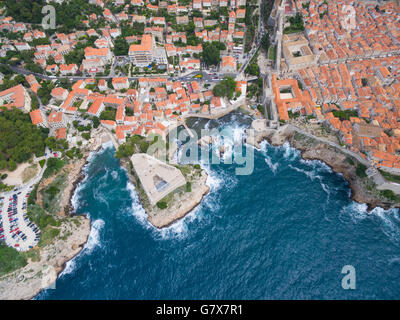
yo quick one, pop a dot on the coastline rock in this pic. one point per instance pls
(162, 218)
(182, 206)
(74, 233)
(316, 150)
(205, 141)
(53, 258)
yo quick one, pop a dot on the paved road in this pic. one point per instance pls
(187, 77)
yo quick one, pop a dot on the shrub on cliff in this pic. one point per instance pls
(10, 259)
(360, 171)
(54, 165)
(33, 195)
(37, 215)
(162, 205)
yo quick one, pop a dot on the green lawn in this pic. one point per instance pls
(272, 53)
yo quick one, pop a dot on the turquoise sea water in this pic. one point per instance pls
(284, 232)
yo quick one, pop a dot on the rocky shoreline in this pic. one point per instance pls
(78, 178)
(182, 205)
(27, 282)
(363, 189)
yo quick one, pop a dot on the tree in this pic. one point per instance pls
(225, 88)
(211, 54)
(25, 10)
(19, 138)
(121, 46)
(44, 91)
(265, 42)
(108, 114)
(96, 122)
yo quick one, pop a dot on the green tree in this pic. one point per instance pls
(121, 46)
(226, 88)
(211, 54)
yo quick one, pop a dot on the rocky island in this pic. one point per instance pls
(167, 191)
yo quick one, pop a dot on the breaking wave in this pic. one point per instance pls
(91, 244)
(177, 230)
(94, 236)
(272, 166)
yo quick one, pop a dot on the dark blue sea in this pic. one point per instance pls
(283, 232)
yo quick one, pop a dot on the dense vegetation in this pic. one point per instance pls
(251, 21)
(296, 24)
(20, 139)
(253, 69)
(211, 52)
(226, 88)
(121, 46)
(9, 82)
(345, 115)
(10, 259)
(390, 177)
(360, 170)
(25, 10)
(44, 91)
(69, 14)
(265, 43)
(108, 114)
(134, 144)
(54, 165)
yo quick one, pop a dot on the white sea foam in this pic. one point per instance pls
(264, 145)
(395, 260)
(396, 216)
(325, 188)
(114, 174)
(272, 166)
(231, 136)
(290, 153)
(98, 195)
(387, 218)
(70, 266)
(137, 209)
(177, 230)
(388, 226)
(75, 197)
(94, 236)
(107, 145)
(317, 165)
(314, 176)
(357, 211)
(310, 174)
(91, 244)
